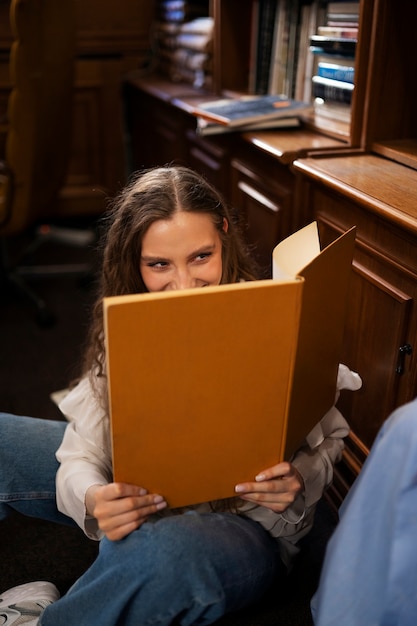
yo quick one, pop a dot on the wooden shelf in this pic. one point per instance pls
(382, 186)
(286, 145)
(400, 150)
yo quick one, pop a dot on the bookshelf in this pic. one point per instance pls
(383, 118)
(235, 45)
(390, 123)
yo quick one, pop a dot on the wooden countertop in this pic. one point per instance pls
(382, 186)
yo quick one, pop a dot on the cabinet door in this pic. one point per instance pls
(264, 205)
(156, 130)
(211, 158)
(377, 331)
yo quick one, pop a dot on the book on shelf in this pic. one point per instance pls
(278, 82)
(338, 31)
(330, 89)
(180, 19)
(336, 71)
(335, 45)
(205, 127)
(333, 110)
(180, 10)
(313, 14)
(336, 59)
(238, 112)
(209, 386)
(264, 41)
(343, 8)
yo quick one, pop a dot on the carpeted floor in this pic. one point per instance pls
(36, 361)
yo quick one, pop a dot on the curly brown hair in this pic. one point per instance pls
(152, 195)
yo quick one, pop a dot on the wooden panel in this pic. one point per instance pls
(265, 205)
(392, 94)
(104, 27)
(6, 36)
(97, 163)
(211, 157)
(377, 326)
(381, 316)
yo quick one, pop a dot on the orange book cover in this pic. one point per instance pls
(209, 386)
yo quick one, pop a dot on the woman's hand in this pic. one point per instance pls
(121, 508)
(275, 488)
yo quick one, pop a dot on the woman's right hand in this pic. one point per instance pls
(121, 508)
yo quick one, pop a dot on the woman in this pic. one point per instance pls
(170, 229)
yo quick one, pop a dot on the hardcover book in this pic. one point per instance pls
(330, 89)
(209, 386)
(334, 45)
(204, 127)
(249, 109)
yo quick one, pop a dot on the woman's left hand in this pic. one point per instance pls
(275, 488)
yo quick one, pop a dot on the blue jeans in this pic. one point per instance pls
(185, 569)
(28, 467)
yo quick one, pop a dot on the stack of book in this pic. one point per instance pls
(249, 113)
(334, 47)
(192, 59)
(170, 27)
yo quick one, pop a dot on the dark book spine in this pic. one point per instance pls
(334, 92)
(267, 11)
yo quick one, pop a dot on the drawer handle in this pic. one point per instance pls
(403, 351)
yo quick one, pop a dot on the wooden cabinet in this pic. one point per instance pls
(111, 39)
(211, 157)
(375, 188)
(379, 197)
(389, 120)
(97, 162)
(262, 191)
(156, 129)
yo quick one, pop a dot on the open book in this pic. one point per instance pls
(210, 386)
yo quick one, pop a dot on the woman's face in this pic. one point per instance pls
(182, 252)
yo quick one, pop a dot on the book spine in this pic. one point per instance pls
(265, 38)
(338, 31)
(329, 89)
(336, 72)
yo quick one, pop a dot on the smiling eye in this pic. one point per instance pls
(157, 264)
(203, 256)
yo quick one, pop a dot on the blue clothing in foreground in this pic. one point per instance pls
(369, 575)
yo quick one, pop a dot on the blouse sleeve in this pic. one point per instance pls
(84, 455)
(315, 461)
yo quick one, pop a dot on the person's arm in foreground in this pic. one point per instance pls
(370, 568)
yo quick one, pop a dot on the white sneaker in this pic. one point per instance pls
(25, 603)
